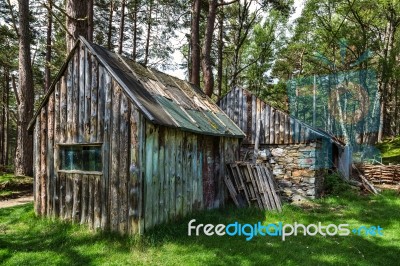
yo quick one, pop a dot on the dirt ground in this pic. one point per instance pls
(15, 202)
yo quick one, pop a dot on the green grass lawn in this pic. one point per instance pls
(390, 150)
(27, 240)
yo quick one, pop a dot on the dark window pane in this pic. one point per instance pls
(81, 157)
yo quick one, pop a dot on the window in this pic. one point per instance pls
(81, 157)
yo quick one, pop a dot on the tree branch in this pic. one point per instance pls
(13, 17)
(15, 89)
(227, 3)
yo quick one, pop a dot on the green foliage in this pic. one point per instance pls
(390, 150)
(335, 185)
(28, 240)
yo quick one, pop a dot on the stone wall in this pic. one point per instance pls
(295, 166)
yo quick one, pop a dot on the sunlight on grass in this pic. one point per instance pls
(26, 239)
(390, 150)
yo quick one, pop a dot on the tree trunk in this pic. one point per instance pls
(110, 18)
(220, 52)
(77, 21)
(195, 43)
(24, 149)
(135, 12)
(121, 27)
(6, 102)
(206, 63)
(146, 50)
(90, 20)
(47, 73)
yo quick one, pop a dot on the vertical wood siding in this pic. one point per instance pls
(151, 174)
(276, 126)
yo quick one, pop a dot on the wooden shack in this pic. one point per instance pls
(122, 147)
(299, 153)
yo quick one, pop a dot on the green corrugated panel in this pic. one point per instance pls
(176, 112)
(205, 121)
(205, 124)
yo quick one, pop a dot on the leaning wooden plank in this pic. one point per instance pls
(274, 198)
(246, 170)
(273, 187)
(232, 191)
(240, 178)
(261, 187)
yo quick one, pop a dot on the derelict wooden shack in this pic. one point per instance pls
(122, 147)
(299, 152)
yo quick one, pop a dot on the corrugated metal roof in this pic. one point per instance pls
(163, 99)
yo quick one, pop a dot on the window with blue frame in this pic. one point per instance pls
(81, 157)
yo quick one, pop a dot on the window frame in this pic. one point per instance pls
(60, 146)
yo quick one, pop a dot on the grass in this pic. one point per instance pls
(28, 240)
(11, 185)
(390, 150)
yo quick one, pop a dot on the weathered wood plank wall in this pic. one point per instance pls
(88, 107)
(150, 174)
(183, 173)
(276, 126)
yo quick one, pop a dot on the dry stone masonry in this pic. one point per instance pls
(297, 168)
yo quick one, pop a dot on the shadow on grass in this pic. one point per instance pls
(22, 233)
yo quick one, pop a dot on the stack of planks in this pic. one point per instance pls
(252, 184)
(381, 174)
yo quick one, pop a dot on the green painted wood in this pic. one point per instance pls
(155, 189)
(148, 182)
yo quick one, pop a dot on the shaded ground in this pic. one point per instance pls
(15, 190)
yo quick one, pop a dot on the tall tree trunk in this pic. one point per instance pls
(90, 20)
(110, 18)
(24, 149)
(47, 73)
(135, 12)
(77, 21)
(220, 52)
(6, 102)
(195, 43)
(121, 27)
(206, 63)
(149, 23)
